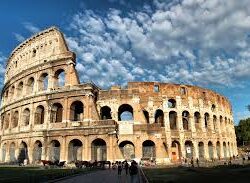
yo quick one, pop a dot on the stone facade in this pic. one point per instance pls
(46, 113)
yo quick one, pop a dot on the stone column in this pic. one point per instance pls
(192, 123)
(167, 123)
(179, 122)
(206, 153)
(63, 150)
(138, 149)
(196, 150)
(215, 151)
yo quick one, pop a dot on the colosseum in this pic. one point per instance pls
(47, 114)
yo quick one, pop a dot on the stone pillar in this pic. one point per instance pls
(87, 149)
(138, 149)
(202, 121)
(215, 151)
(63, 149)
(192, 123)
(179, 122)
(51, 81)
(30, 154)
(43, 156)
(206, 153)
(167, 123)
(183, 149)
(196, 150)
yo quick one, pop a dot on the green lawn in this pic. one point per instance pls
(233, 174)
(35, 174)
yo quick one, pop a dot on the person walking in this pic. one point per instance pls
(133, 171)
(126, 165)
(197, 162)
(119, 168)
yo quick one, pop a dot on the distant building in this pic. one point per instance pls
(47, 114)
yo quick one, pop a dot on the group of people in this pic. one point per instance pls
(132, 169)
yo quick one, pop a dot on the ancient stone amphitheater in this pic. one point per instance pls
(47, 114)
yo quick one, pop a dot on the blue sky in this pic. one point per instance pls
(198, 42)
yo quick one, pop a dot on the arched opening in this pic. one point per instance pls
(213, 107)
(6, 96)
(12, 91)
(39, 115)
(37, 151)
(201, 150)
(12, 152)
(176, 151)
(171, 103)
(30, 85)
(146, 116)
(54, 154)
(20, 89)
(75, 150)
(189, 148)
(206, 119)
(4, 152)
(159, 117)
(173, 120)
(185, 120)
(215, 122)
(229, 149)
(148, 150)
(197, 118)
(183, 91)
(23, 152)
(60, 78)
(76, 111)
(125, 113)
(105, 113)
(43, 82)
(98, 150)
(210, 150)
(15, 119)
(128, 150)
(218, 150)
(7, 121)
(26, 117)
(57, 112)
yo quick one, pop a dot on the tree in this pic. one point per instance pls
(243, 131)
(248, 107)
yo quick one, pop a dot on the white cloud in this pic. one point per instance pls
(30, 27)
(19, 37)
(191, 41)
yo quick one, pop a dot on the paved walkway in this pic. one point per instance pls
(102, 176)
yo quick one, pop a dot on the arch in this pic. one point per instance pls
(26, 117)
(6, 96)
(229, 149)
(20, 89)
(98, 150)
(75, 150)
(30, 85)
(146, 116)
(4, 148)
(23, 152)
(60, 78)
(201, 150)
(15, 119)
(57, 112)
(39, 115)
(106, 113)
(225, 149)
(206, 119)
(189, 148)
(128, 149)
(148, 149)
(171, 103)
(197, 118)
(183, 91)
(218, 149)
(43, 82)
(213, 107)
(125, 113)
(210, 150)
(37, 151)
(185, 120)
(7, 121)
(76, 111)
(12, 152)
(12, 91)
(159, 117)
(54, 153)
(173, 120)
(215, 122)
(176, 151)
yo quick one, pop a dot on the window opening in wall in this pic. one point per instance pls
(76, 111)
(146, 115)
(60, 78)
(39, 115)
(125, 113)
(206, 119)
(106, 113)
(213, 108)
(173, 120)
(185, 120)
(204, 95)
(26, 117)
(171, 103)
(183, 91)
(156, 88)
(34, 53)
(159, 117)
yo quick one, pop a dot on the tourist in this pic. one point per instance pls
(119, 168)
(126, 165)
(192, 162)
(197, 162)
(133, 171)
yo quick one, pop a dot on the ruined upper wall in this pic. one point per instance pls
(43, 47)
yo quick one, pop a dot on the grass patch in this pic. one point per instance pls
(36, 174)
(231, 174)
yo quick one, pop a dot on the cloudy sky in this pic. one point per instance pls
(198, 42)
